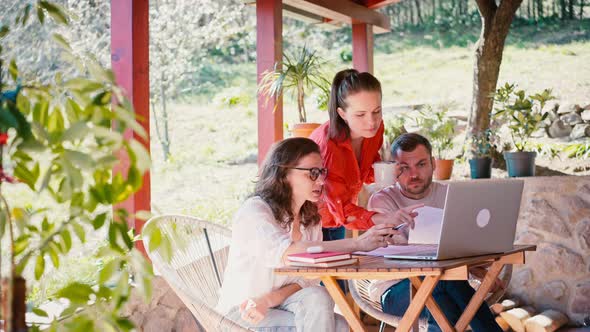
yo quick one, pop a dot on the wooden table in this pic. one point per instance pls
(431, 271)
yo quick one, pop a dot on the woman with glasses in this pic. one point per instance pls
(279, 219)
(349, 143)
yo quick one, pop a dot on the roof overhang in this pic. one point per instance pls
(337, 12)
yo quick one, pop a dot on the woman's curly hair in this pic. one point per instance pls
(273, 187)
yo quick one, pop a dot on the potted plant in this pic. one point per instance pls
(57, 152)
(297, 73)
(440, 129)
(523, 114)
(394, 127)
(480, 164)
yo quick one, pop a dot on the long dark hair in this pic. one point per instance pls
(273, 187)
(346, 83)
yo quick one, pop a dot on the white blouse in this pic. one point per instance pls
(257, 247)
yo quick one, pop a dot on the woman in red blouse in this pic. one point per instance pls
(349, 144)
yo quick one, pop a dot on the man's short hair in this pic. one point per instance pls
(409, 142)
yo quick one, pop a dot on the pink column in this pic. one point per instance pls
(362, 47)
(130, 62)
(269, 48)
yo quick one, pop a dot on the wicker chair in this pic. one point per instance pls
(198, 251)
(359, 290)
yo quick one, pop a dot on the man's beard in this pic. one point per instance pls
(419, 190)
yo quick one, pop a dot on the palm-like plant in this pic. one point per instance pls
(297, 72)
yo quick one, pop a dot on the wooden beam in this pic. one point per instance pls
(130, 63)
(269, 49)
(376, 4)
(344, 11)
(362, 47)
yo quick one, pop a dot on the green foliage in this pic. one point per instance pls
(296, 73)
(579, 150)
(438, 127)
(232, 97)
(394, 127)
(521, 113)
(480, 144)
(544, 149)
(60, 144)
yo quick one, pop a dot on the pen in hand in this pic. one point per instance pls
(398, 227)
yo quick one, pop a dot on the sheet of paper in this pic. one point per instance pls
(427, 225)
(389, 250)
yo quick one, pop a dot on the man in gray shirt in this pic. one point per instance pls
(414, 188)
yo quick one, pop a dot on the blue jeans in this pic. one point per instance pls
(331, 234)
(452, 296)
(309, 309)
(334, 233)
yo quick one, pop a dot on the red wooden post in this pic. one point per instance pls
(130, 62)
(362, 47)
(269, 49)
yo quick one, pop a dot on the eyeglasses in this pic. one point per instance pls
(314, 172)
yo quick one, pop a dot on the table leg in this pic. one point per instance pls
(418, 302)
(434, 309)
(353, 320)
(416, 324)
(479, 296)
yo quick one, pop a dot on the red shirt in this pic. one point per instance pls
(345, 178)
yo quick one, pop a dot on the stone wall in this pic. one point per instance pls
(555, 215)
(567, 120)
(164, 313)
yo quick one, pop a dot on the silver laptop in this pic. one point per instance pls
(479, 218)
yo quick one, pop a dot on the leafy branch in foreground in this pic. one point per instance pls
(57, 146)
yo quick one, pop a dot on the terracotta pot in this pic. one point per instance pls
(19, 307)
(444, 169)
(304, 129)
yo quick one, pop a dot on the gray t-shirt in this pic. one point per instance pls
(388, 201)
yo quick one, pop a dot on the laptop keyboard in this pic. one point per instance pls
(421, 249)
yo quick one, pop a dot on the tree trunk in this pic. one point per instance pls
(18, 307)
(418, 11)
(166, 141)
(163, 136)
(571, 9)
(540, 11)
(563, 9)
(411, 6)
(581, 9)
(434, 10)
(301, 103)
(528, 9)
(496, 22)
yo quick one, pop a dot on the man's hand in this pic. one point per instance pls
(376, 237)
(404, 215)
(254, 310)
(480, 272)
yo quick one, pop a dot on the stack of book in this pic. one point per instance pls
(322, 259)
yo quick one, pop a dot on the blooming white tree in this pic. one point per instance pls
(181, 33)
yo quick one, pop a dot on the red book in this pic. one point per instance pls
(326, 256)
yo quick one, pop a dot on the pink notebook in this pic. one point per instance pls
(326, 256)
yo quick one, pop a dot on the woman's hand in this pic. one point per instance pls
(375, 237)
(254, 310)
